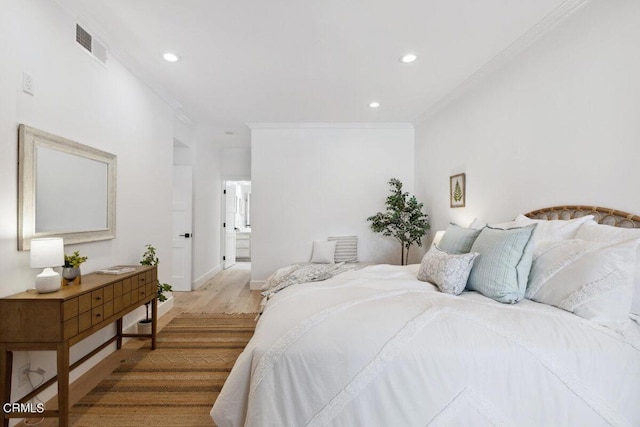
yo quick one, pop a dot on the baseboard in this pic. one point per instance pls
(208, 275)
(256, 285)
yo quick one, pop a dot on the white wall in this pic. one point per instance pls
(558, 125)
(236, 163)
(106, 108)
(314, 181)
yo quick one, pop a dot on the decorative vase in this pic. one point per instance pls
(71, 274)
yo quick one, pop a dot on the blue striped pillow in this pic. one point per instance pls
(502, 269)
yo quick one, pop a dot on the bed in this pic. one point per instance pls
(377, 347)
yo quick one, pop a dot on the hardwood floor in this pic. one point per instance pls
(227, 292)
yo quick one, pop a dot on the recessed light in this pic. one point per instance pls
(409, 58)
(229, 132)
(374, 104)
(171, 57)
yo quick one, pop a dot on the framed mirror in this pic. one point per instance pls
(65, 189)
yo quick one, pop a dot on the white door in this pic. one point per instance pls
(230, 225)
(182, 228)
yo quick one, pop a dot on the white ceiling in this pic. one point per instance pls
(291, 61)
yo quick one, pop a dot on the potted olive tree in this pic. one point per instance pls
(403, 220)
(150, 258)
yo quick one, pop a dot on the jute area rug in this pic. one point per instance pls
(174, 385)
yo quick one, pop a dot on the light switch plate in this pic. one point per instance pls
(27, 84)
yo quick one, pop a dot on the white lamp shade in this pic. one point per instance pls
(47, 252)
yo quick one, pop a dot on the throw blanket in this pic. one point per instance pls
(302, 273)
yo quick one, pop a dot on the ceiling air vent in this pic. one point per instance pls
(90, 44)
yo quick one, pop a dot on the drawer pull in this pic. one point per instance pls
(98, 315)
(98, 298)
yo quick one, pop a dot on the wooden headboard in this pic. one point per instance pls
(602, 215)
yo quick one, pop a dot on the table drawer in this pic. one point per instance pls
(97, 298)
(126, 300)
(70, 328)
(84, 303)
(97, 315)
(142, 280)
(69, 309)
(108, 293)
(117, 289)
(126, 286)
(134, 297)
(108, 309)
(118, 304)
(84, 321)
(150, 276)
(152, 287)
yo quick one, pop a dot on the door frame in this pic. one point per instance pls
(223, 210)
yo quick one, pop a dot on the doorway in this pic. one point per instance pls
(182, 227)
(236, 224)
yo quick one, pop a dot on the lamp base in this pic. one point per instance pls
(47, 281)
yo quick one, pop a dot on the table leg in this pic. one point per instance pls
(119, 332)
(154, 322)
(63, 383)
(6, 366)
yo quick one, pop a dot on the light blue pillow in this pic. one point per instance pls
(458, 240)
(501, 271)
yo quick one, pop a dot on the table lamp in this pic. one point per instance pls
(47, 253)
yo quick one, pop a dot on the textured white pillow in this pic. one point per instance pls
(447, 271)
(553, 230)
(324, 252)
(607, 233)
(591, 279)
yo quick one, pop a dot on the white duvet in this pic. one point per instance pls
(376, 347)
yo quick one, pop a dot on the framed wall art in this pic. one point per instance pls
(457, 190)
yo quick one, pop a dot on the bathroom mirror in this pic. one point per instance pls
(65, 189)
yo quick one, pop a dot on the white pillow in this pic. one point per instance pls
(449, 272)
(324, 252)
(553, 230)
(607, 233)
(591, 279)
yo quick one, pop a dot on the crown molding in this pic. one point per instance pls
(522, 43)
(339, 125)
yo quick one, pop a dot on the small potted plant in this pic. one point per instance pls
(150, 258)
(71, 269)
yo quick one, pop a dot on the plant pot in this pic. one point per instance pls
(144, 326)
(71, 274)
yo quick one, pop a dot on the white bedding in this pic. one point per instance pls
(376, 347)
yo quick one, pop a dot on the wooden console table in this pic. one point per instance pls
(30, 321)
